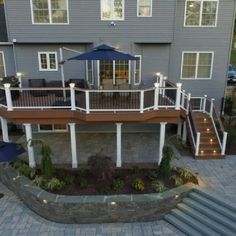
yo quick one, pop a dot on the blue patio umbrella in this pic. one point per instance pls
(104, 52)
(9, 151)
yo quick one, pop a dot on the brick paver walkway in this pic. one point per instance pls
(16, 219)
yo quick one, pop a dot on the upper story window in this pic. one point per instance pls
(112, 9)
(144, 8)
(197, 65)
(201, 13)
(2, 65)
(47, 61)
(137, 70)
(49, 11)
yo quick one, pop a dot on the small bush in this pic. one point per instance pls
(177, 180)
(68, 179)
(165, 167)
(39, 181)
(138, 184)
(55, 184)
(153, 175)
(158, 186)
(102, 166)
(83, 172)
(118, 184)
(103, 187)
(83, 183)
(185, 174)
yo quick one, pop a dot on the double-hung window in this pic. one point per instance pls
(144, 8)
(2, 65)
(201, 13)
(112, 9)
(47, 61)
(49, 11)
(197, 65)
(137, 70)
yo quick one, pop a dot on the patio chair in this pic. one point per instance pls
(37, 83)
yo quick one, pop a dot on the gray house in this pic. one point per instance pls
(186, 41)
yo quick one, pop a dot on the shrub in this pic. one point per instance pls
(165, 167)
(158, 186)
(102, 166)
(83, 183)
(153, 175)
(68, 179)
(55, 184)
(46, 161)
(24, 169)
(118, 184)
(103, 187)
(138, 184)
(185, 174)
(39, 181)
(177, 180)
(83, 172)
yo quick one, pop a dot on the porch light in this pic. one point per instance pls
(72, 85)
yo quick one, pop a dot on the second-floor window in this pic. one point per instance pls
(201, 13)
(144, 8)
(112, 9)
(49, 11)
(197, 65)
(47, 61)
(2, 65)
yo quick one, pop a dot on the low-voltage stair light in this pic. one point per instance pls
(211, 140)
(202, 151)
(214, 151)
(207, 129)
(205, 119)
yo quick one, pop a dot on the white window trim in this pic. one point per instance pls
(52, 130)
(50, 15)
(200, 19)
(138, 10)
(196, 69)
(4, 64)
(48, 62)
(113, 19)
(140, 79)
(87, 73)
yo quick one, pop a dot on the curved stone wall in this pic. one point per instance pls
(92, 209)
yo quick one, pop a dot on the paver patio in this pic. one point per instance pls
(15, 219)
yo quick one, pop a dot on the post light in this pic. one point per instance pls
(7, 85)
(158, 74)
(72, 85)
(19, 76)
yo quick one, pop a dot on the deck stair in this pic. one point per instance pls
(204, 213)
(209, 147)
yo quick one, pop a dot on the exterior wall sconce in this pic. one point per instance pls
(112, 23)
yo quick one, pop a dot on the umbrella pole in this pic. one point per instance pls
(62, 75)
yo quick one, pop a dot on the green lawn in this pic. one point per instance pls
(233, 57)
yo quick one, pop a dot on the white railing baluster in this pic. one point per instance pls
(8, 96)
(197, 144)
(87, 104)
(204, 104)
(212, 106)
(178, 95)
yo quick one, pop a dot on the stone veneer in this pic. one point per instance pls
(92, 209)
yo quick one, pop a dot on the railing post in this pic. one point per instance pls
(204, 104)
(182, 99)
(158, 74)
(164, 85)
(141, 101)
(8, 96)
(212, 106)
(224, 143)
(87, 102)
(178, 96)
(156, 96)
(197, 144)
(72, 96)
(188, 102)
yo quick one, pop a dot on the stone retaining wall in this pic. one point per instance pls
(92, 209)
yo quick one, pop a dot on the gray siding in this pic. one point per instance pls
(28, 65)
(85, 24)
(9, 59)
(213, 39)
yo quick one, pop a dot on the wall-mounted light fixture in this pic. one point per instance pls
(112, 23)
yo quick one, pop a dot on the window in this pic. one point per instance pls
(47, 61)
(144, 8)
(112, 9)
(49, 11)
(201, 13)
(137, 70)
(52, 128)
(197, 65)
(2, 65)
(90, 78)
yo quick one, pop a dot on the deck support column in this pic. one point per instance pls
(5, 136)
(184, 135)
(162, 140)
(28, 133)
(73, 145)
(179, 129)
(118, 145)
